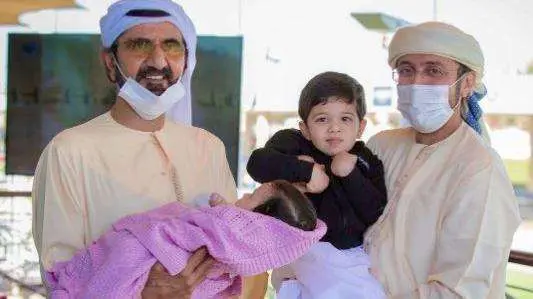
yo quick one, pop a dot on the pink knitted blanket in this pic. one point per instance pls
(242, 242)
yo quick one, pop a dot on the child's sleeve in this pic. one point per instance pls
(278, 159)
(371, 167)
(365, 185)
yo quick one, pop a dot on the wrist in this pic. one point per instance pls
(344, 167)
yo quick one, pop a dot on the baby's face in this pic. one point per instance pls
(250, 201)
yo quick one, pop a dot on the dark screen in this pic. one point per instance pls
(56, 81)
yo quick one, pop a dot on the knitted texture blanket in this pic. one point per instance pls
(242, 242)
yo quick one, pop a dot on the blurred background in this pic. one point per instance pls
(254, 57)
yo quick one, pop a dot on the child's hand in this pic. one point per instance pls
(319, 179)
(216, 199)
(343, 164)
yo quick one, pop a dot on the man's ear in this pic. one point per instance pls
(305, 130)
(109, 66)
(362, 126)
(468, 85)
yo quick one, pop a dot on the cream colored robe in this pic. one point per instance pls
(94, 174)
(447, 229)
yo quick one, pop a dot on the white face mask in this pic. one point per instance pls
(425, 107)
(146, 104)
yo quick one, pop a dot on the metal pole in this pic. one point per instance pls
(240, 8)
(434, 10)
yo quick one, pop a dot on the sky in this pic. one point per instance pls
(288, 42)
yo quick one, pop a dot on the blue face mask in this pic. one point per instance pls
(146, 104)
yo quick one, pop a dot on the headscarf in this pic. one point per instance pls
(447, 41)
(116, 22)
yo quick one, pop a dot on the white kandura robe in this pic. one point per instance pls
(451, 214)
(91, 175)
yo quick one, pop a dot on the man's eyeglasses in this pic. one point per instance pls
(406, 73)
(145, 47)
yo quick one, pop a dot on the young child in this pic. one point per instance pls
(341, 176)
(245, 239)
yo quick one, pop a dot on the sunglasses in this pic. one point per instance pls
(143, 47)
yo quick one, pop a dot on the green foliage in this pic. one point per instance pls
(529, 69)
(522, 279)
(518, 171)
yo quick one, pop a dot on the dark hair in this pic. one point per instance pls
(463, 69)
(331, 84)
(289, 205)
(150, 13)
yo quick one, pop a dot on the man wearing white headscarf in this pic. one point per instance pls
(119, 19)
(131, 159)
(451, 214)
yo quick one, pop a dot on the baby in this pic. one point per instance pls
(279, 199)
(267, 229)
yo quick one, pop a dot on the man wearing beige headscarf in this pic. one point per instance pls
(447, 229)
